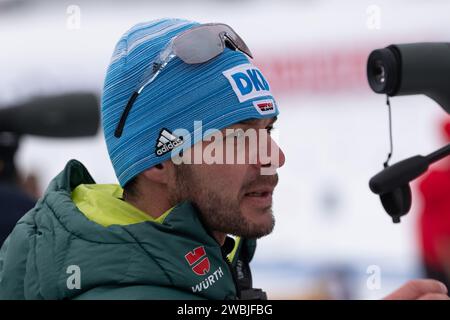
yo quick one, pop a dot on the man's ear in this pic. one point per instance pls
(161, 173)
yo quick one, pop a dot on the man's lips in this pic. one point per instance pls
(260, 193)
(261, 196)
(260, 190)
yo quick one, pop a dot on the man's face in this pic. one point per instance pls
(233, 198)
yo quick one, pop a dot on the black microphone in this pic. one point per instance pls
(392, 184)
(67, 115)
(407, 69)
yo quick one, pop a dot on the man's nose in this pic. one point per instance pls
(275, 156)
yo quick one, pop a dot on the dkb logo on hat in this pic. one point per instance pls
(247, 82)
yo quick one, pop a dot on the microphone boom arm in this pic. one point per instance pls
(392, 183)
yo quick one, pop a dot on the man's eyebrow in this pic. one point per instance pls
(273, 120)
(255, 121)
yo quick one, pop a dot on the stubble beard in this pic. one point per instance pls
(217, 209)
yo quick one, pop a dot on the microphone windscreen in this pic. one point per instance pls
(68, 115)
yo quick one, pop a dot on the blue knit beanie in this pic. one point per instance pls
(220, 92)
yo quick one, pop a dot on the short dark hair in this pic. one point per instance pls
(130, 189)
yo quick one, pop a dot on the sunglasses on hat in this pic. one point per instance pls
(196, 45)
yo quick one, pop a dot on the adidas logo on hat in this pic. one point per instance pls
(167, 142)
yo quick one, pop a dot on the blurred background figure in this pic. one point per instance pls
(60, 116)
(434, 223)
(14, 200)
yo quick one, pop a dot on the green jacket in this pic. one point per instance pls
(57, 251)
